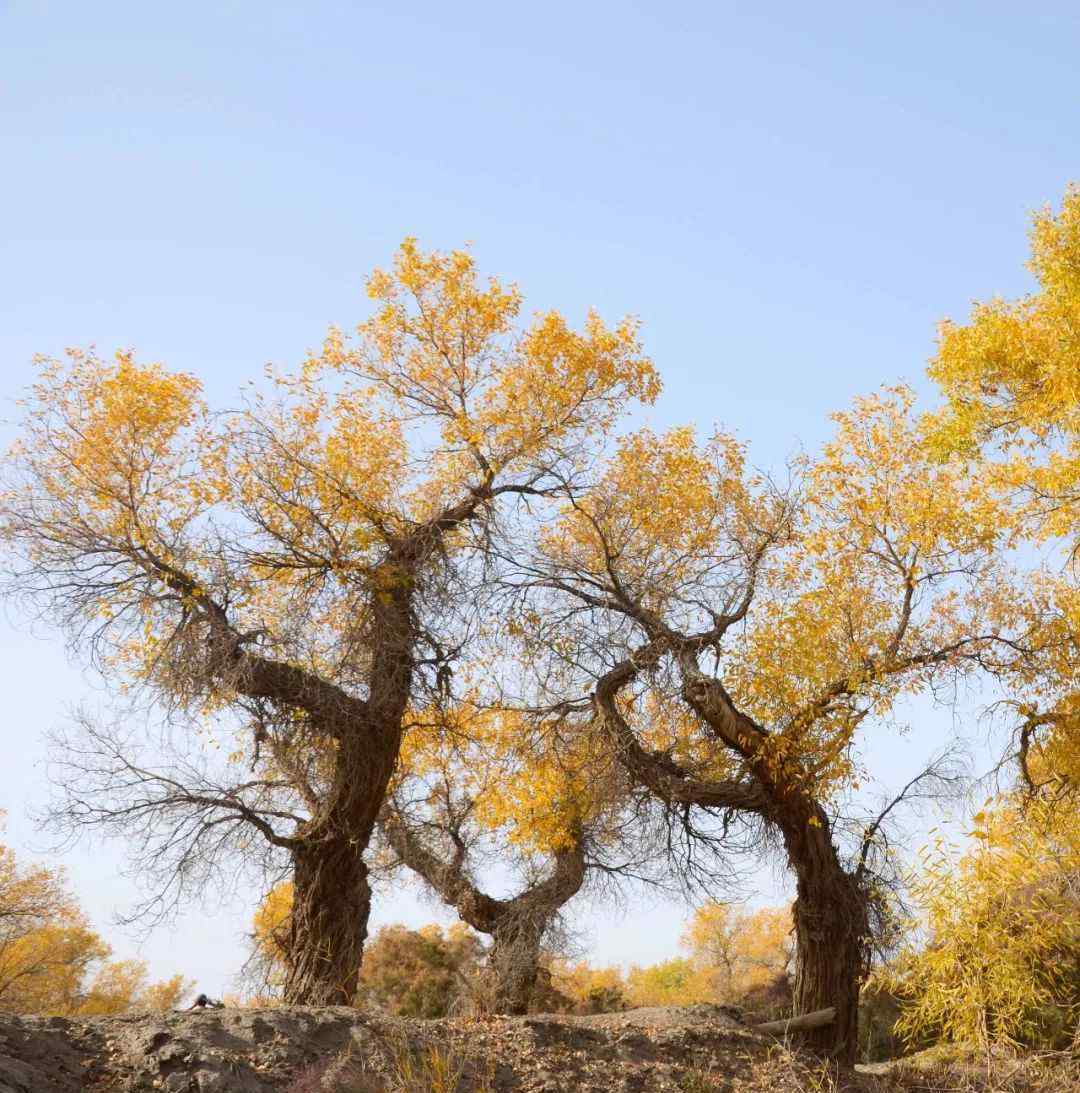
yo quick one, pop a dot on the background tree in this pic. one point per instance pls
(52, 962)
(733, 641)
(478, 785)
(311, 565)
(675, 982)
(420, 973)
(742, 950)
(590, 989)
(733, 957)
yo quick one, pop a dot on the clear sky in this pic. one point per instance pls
(788, 195)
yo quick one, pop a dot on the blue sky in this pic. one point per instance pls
(789, 196)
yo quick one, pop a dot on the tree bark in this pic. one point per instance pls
(832, 935)
(515, 962)
(328, 926)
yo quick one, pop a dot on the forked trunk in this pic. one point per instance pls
(328, 928)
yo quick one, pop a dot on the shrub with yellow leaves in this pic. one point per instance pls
(1000, 960)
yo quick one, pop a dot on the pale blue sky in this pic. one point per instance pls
(788, 195)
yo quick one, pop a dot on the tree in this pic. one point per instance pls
(166, 994)
(733, 640)
(742, 950)
(1000, 954)
(52, 962)
(311, 566)
(1011, 380)
(478, 784)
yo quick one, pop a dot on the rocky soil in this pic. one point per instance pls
(302, 1050)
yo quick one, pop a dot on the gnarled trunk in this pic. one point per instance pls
(328, 926)
(829, 967)
(515, 964)
(832, 934)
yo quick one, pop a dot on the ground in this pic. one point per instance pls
(696, 1049)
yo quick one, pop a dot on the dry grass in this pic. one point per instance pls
(953, 1069)
(433, 1068)
(950, 1070)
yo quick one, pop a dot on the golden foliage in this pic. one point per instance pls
(730, 954)
(1001, 960)
(885, 571)
(52, 962)
(535, 786)
(1011, 376)
(122, 474)
(742, 950)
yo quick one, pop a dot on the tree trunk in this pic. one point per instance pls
(328, 928)
(828, 972)
(831, 940)
(515, 964)
(331, 894)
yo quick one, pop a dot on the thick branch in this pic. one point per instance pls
(479, 910)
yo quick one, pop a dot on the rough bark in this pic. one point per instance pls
(328, 925)
(515, 962)
(831, 943)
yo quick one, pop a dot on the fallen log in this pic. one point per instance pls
(798, 1024)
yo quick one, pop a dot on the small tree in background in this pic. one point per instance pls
(590, 989)
(743, 951)
(481, 784)
(52, 962)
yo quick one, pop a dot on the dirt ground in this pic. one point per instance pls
(293, 1049)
